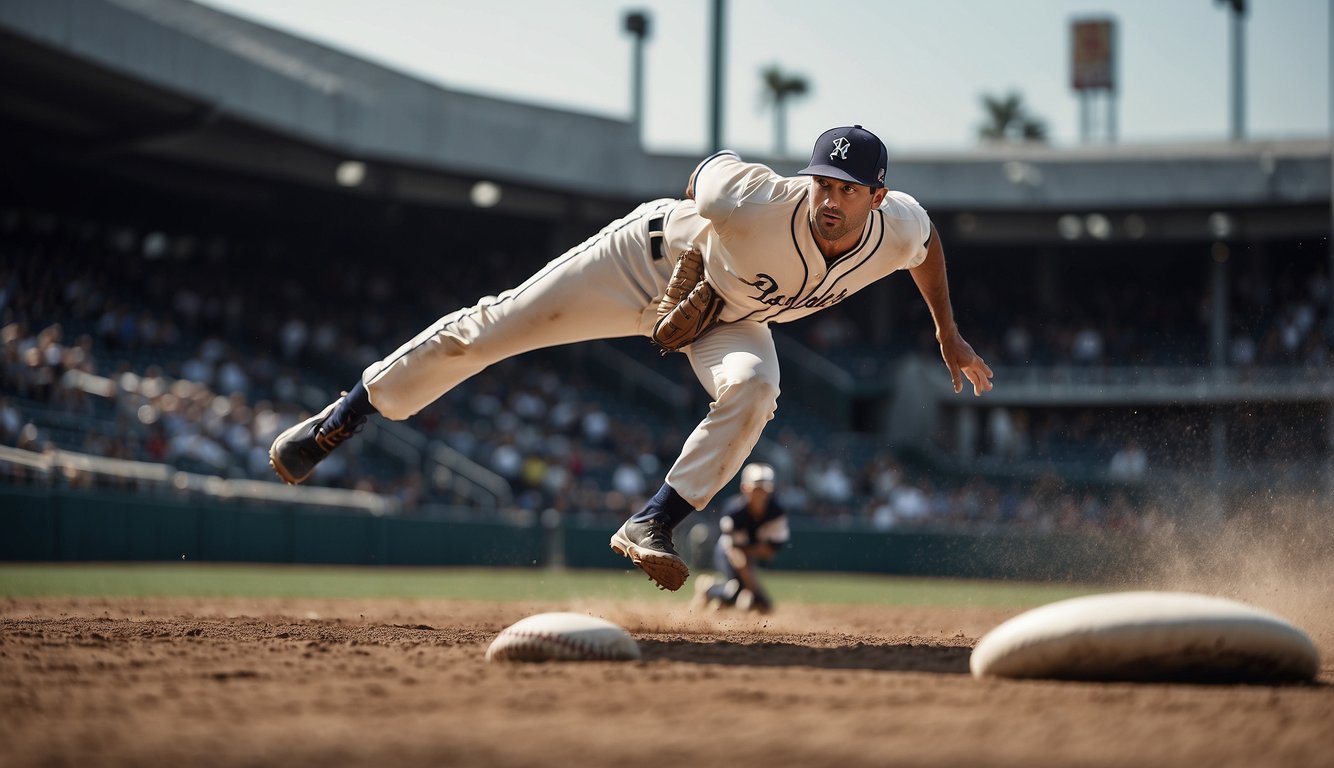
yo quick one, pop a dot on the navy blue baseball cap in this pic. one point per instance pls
(850, 153)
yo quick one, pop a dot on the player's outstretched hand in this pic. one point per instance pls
(963, 361)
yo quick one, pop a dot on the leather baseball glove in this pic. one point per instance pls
(689, 307)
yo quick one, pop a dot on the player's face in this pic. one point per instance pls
(757, 496)
(839, 207)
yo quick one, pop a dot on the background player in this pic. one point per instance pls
(774, 249)
(752, 529)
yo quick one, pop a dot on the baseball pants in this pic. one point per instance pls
(606, 287)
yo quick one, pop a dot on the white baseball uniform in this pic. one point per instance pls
(753, 227)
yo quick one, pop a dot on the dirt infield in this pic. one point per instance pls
(332, 683)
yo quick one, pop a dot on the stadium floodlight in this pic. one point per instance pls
(1070, 227)
(1021, 173)
(637, 22)
(350, 173)
(1220, 225)
(1098, 226)
(485, 194)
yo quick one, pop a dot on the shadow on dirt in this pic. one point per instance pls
(896, 657)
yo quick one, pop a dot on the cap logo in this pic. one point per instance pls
(841, 146)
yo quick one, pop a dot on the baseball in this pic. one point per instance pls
(563, 637)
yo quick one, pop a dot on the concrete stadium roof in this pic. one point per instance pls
(202, 68)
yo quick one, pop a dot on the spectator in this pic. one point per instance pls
(1086, 345)
(1129, 464)
(629, 479)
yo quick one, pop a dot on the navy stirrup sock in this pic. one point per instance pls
(667, 505)
(356, 405)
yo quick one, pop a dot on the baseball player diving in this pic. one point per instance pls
(704, 275)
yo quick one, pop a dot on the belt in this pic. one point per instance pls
(657, 237)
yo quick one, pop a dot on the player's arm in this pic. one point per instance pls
(737, 551)
(710, 160)
(745, 573)
(741, 556)
(769, 539)
(723, 184)
(746, 576)
(958, 354)
(761, 550)
(738, 554)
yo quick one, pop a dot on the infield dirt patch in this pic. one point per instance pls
(332, 683)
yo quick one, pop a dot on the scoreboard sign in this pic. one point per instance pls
(1092, 54)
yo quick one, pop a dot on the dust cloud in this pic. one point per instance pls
(1274, 555)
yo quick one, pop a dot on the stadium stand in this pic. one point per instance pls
(109, 363)
(181, 276)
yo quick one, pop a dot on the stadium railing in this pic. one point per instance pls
(17, 465)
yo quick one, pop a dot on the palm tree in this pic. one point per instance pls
(778, 88)
(1008, 120)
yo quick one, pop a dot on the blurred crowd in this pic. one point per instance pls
(1278, 309)
(131, 345)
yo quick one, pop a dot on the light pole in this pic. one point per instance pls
(716, 109)
(1329, 67)
(1329, 321)
(637, 24)
(1238, 67)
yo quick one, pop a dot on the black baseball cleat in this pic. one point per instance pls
(296, 451)
(649, 546)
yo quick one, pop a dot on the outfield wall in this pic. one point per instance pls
(43, 524)
(47, 524)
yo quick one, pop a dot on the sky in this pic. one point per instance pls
(912, 72)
